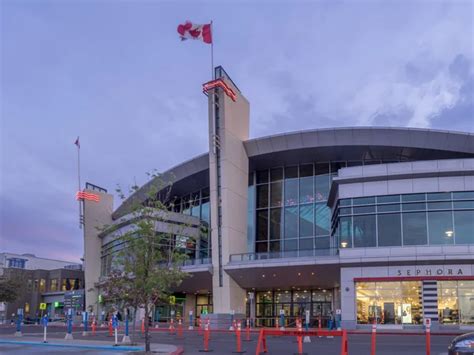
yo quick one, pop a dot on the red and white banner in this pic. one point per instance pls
(193, 31)
(81, 195)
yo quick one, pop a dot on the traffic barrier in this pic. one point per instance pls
(263, 341)
(344, 345)
(180, 329)
(171, 327)
(143, 326)
(374, 332)
(206, 338)
(93, 326)
(110, 328)
(200, 326)
(247, 332)
(299, 337)
(238, 331)
(298, 333)
(428, 340)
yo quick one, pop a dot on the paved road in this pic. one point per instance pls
(221, 343)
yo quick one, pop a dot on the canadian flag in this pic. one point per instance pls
(193, 31)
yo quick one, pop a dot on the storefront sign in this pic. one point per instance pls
(435, 270)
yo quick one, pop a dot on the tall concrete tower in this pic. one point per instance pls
(228, 169)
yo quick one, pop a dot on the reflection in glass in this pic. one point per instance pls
(414, 228)
(440, 226)
(389, 230)
(464, 223)
(291, 222)
(306, 220)
(364, 231)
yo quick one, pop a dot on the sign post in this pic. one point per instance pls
(115, 326)
(69, 325)
(126, 337)
(232, 313)
(19, 320)
(282, 319)
(44, 321)
(306, 338)
(191, 324)
(85, 320)
(338, 319)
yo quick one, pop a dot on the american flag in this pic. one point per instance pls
(80, 195)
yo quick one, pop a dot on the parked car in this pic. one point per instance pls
(462, 345)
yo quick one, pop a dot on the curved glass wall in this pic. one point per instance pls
(287, 208)
(197, 205)
(445, 218)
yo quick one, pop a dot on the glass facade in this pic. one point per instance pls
(197, 205)
(288, 210)
(413, 219)
(396, 302)
(456, 302)
(294, 303)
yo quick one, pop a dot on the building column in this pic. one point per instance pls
(228, 169)
(96, 216)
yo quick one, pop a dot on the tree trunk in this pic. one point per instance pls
(147, 336)
(134, 322)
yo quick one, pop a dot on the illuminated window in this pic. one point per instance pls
(42, 285)
(389, 302)
(53, 286)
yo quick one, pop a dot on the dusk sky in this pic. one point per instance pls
(116, 74)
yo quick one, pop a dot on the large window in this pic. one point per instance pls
(291, 211)
(456, 302)
(445, 218)
(294, 304)
(389, 302)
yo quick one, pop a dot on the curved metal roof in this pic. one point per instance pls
(327, 143)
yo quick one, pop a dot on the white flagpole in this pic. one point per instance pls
(79, 179)
(212, 53)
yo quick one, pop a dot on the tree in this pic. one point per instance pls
(146, 261)
(9, 290)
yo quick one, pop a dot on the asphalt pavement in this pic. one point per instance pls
(225, 343)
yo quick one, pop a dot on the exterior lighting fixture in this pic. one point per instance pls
(449, 234)
(312, 273)
(299, 274)
(80, 195)
(263, 275)
(344, 244)
(274, 275)
(219, 83)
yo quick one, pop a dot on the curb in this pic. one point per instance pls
(80, 346)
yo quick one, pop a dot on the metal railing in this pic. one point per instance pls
(194, 262)
(283, 254)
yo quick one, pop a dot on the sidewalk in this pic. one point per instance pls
(90, 345)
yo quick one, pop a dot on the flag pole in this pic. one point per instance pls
(79, 179)
(212, 53)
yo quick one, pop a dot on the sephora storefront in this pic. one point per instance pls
(401, 296)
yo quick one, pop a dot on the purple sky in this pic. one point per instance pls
(115, 73)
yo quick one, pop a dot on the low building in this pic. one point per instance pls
(42, 280)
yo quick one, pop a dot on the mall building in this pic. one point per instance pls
(369, 223)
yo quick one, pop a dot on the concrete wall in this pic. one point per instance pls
(233, 130)
(96, 216)
(405, 178)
